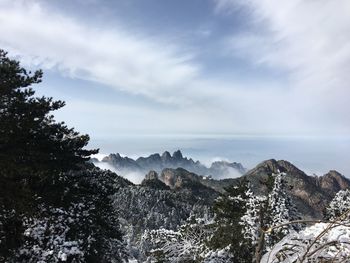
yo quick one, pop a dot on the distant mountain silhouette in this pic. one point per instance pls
(157, 162)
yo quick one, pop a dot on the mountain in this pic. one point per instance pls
(167, 199)
(155, 205)
(310, 193)
(157, 162)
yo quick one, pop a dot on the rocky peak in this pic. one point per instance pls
(120, 162)
(151, 180)
(152, 175)
(166, 156)
(310, 193)
(111, 157)
(168, 177)
(222, 165)
(178, 178)
(158, 162)
(154, 157)
(272, 167)
(334, 174)
(288, 167)
(333, 181)
(177, 155)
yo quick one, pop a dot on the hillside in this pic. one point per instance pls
(311, 193)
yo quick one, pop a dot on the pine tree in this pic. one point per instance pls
(281, 209)
(229, 232)
(253, 219)
(53, 208)
(187, 244)
(340, 205)
(243, 218)
(31, 141)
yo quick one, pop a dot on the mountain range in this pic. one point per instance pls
(157, 162)
(167, 198)
(175, 172)
(311, 194)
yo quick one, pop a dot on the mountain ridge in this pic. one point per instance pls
(157, 162)
(310, 193)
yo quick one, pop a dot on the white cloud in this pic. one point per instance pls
(132, 176)
(308, 40)
(304, 39)
(113, 57)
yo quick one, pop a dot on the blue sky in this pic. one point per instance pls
(161, 67)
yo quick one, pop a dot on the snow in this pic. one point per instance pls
(327, 241)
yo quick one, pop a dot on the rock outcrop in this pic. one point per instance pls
(310, 193)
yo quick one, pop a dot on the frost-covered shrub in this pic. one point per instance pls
(322, 242)
(143, 208)
(228, 229)
(223, 255)
(241, 216)
(77, 224)
(280, 210)
(339, 205)
(251, 220)
(188, 244)
(48, 239)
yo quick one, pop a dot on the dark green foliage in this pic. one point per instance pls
(31, 142)
(228, 231)
(85, 219)
(155, 184)
(50, 197)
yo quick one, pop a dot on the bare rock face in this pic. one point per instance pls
(310, 193)
(333, 182)
(152, 181)
(169, 178)
(181, 179)
(166, 157)
(152, 175)
(121, 163)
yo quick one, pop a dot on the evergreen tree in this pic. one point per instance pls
(254, 217)
(83, 228)
(281, 209)
(340, 205)
(53, 208)
(229, 232)
(186, 245)
(243, 218)
(31, 141)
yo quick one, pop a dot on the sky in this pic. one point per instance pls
(200, 67)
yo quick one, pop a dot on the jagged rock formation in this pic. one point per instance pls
(151, 180)
(121, 163)
(167, 199)
(311, 193)
(333, 182)
(157, 162)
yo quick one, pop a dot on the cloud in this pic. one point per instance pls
(303, 41)
(309, 42)
(132, 176)
(114, 57)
